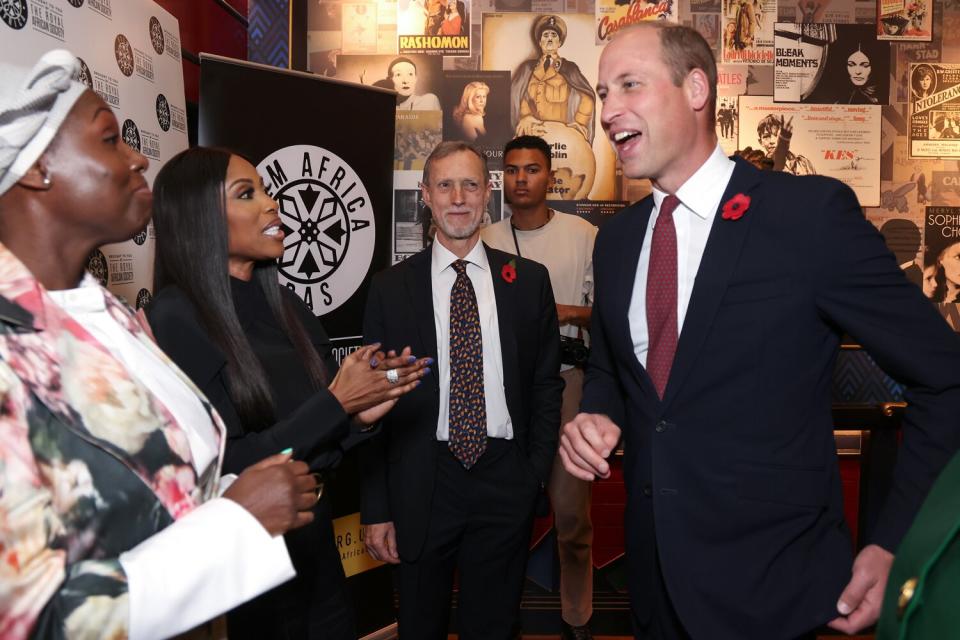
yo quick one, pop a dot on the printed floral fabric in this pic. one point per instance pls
(91, 464)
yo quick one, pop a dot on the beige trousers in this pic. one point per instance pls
(570, 499)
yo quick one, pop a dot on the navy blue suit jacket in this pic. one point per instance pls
(733, 476)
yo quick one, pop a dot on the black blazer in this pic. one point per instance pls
(318, 430)
(399, 464)
(737, 465)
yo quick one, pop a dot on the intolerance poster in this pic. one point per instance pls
(934, 110)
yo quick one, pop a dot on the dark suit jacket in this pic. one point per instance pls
(737, 465)
(400, 463)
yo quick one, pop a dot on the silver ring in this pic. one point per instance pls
(392, 376)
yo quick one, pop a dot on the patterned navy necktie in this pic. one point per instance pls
(662, 297)
(468, 407)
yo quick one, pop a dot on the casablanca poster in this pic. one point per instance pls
(613, 15)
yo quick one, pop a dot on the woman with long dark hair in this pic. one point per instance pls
(264, 360)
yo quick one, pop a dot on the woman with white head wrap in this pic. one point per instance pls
(109, 458)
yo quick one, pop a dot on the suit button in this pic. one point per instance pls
(906, 595)
(647, 490)
(661, 426)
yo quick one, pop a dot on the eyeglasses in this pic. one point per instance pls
(446, 186)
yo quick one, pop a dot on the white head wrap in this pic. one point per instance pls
(33, 105)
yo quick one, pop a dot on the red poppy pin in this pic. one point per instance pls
(735, 207)
(509, 272)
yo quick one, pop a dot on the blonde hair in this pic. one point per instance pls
(466, 101)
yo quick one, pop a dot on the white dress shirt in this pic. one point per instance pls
(699, 200)
(442, 277)
(216, 557)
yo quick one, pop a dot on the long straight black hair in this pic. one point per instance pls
(189, 216)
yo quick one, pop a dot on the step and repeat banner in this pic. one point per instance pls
(130, 55)
(324, 149)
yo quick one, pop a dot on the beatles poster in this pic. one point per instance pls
(731, 83)
(613, 15)
(129, 54)
(434, 26)
(748, 31)
(841, 141)
(904, 20)
(830, 64)
(476, 109)
(553, 71)
(935, 110)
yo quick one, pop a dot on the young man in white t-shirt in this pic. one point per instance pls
(564, 244)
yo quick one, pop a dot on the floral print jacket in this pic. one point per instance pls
(91, 464)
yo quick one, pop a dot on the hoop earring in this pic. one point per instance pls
(47, 181)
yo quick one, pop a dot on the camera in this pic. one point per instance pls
(573, 351)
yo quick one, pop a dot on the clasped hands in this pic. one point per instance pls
(588, 440)
(370, 382)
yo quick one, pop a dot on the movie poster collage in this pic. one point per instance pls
(866, 91)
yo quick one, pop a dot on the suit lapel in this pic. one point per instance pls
(629, 256)
(506, 296)
(720, 257)
(419, 284)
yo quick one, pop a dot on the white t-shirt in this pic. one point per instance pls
(564, 246)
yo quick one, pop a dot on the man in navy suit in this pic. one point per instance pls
(720, 302)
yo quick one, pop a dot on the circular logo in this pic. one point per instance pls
(97, 266)
(156, 35)
(131, 135)
(76, 3)
(163, 112)
(143, 298)
(141, 237)
(124, 54)
(86, 77)
(14, 13)
(328, 224)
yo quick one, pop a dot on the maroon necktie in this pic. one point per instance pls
(662, 297)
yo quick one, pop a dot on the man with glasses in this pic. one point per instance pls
(451, 481)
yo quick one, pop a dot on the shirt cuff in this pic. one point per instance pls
(211, 560)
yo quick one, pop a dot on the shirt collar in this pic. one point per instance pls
(87, 298)
(705, 187)
(441, 257)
